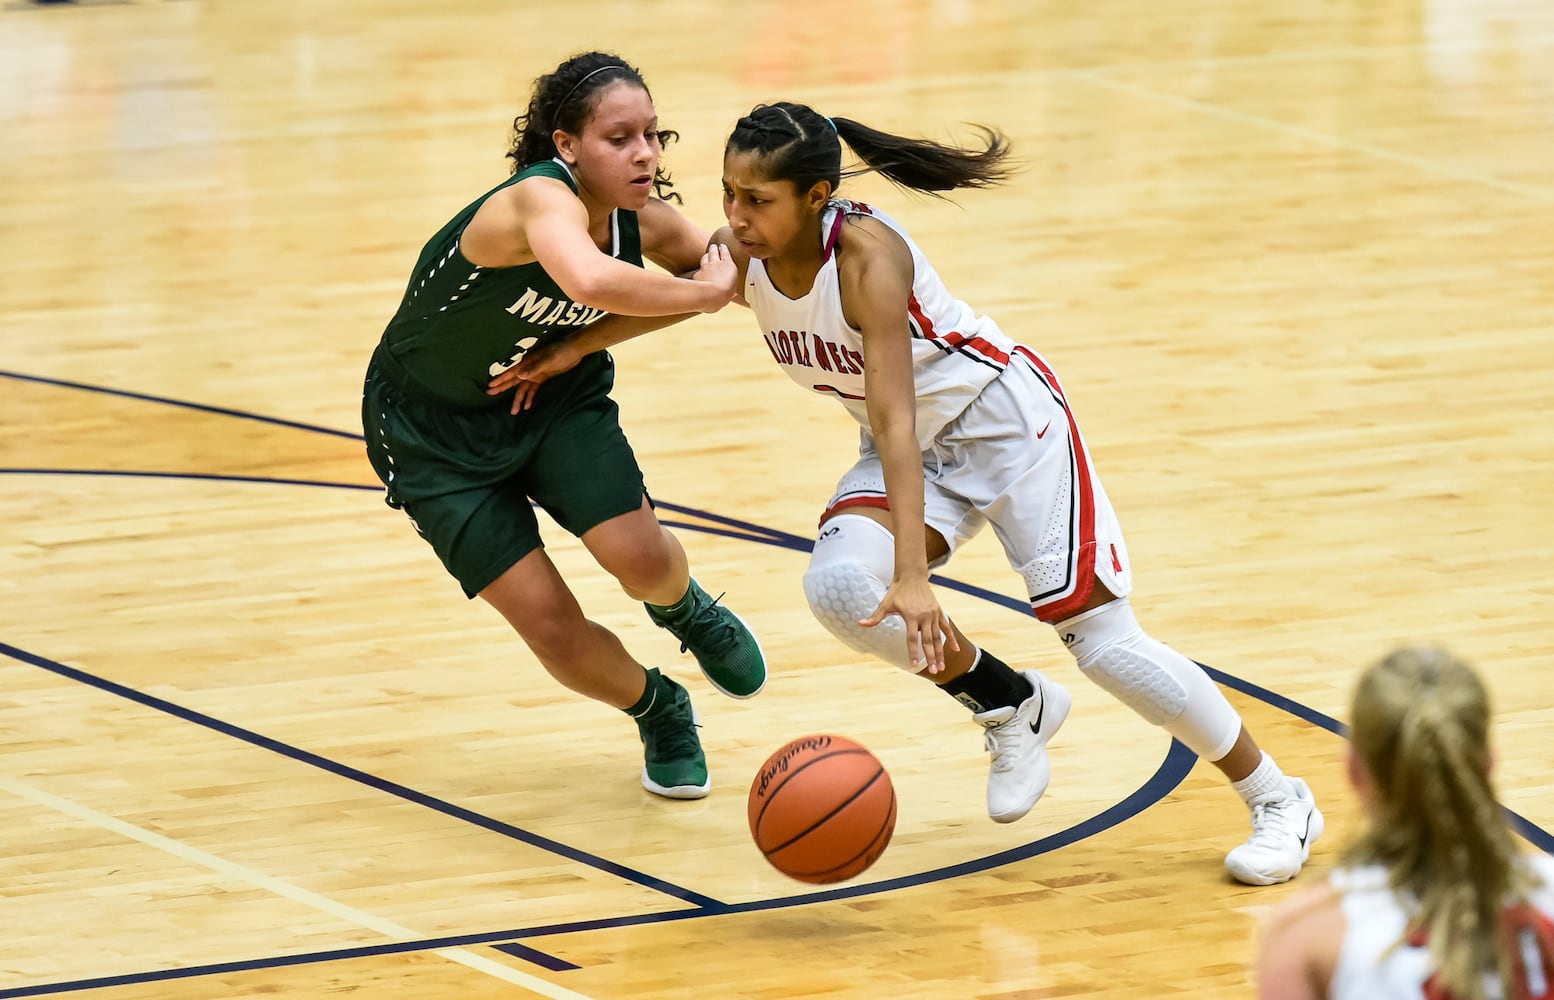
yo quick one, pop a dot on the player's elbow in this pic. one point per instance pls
(893, 424)
(586, 288)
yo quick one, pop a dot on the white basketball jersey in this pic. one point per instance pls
(955, 352)
(1373, 966)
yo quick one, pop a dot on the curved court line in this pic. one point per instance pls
(1177, 764)
(1173, 769)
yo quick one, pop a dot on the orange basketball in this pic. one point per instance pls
(822, 809)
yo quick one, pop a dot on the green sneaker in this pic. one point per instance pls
(723, 645)
(673, 763)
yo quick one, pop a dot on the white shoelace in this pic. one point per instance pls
(1273, 823)
(1003, 742)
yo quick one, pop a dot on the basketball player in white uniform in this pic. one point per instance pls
(961, 428)
(1435, 901)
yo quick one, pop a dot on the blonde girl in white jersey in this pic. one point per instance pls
(1434, 901)
(961, 428)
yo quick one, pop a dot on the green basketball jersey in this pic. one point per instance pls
(460, 325)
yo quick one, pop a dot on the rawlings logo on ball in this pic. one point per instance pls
(778, 763)
(821, 809)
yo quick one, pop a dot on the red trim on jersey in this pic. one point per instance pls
(1527, 932)
(953, 339)
(834, 389)
(834, 235)
(877, 502)
(1084, 564)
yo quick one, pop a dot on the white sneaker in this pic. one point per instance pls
(1017, 739)
(1283, 831)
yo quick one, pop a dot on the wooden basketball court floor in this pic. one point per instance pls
(1295, 264)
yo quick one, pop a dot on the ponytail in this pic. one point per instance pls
(798, 144)
(923, 165)
(1421, 728)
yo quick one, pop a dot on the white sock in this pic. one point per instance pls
(1265, 784)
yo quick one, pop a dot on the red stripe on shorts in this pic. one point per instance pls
(877, 502)
(1084, 551)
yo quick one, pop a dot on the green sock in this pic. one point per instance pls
(679, 608)
(653, 695)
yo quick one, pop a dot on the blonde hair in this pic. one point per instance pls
(1421, 728)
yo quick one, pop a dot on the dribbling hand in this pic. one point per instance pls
(928, 629)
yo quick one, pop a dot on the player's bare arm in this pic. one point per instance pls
(672, 242)
(494, 237)
(1301, 942)
(670, 239)
(875, 274)
(547, 361)
(555, 231)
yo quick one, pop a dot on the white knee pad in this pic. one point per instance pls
(1154, 680)
(849, 572)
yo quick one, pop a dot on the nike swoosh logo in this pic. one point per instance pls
(1043, 432)
(1307, 833)
(1036, 725)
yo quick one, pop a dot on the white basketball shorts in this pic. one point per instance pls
(1015, 459)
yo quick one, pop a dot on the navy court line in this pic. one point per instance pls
(222, 411)
(536, 957)
(214, 477)
(750, 533)
(317, 429)
(359, 776)
(1534, 834)
(1172, 771)
(706, 907)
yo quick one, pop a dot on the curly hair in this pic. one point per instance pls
(565, 99)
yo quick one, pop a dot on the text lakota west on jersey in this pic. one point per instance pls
(794, 347)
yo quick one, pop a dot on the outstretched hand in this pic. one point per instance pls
(719, 270)
(538, 366)
(928, 629)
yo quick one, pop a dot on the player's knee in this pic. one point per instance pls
(1164, 687)
(846, 580)
(840, 593)
(1104, 642)
(1157, 696)
(640, 574)
(556, 640)
(641, 566)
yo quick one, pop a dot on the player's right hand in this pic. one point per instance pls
(928, 629)
(719, 270)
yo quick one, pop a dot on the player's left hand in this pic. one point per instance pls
(538, 366)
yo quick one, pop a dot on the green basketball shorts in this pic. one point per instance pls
(468, 478)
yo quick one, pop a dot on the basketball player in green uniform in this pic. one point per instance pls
(556, 246)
